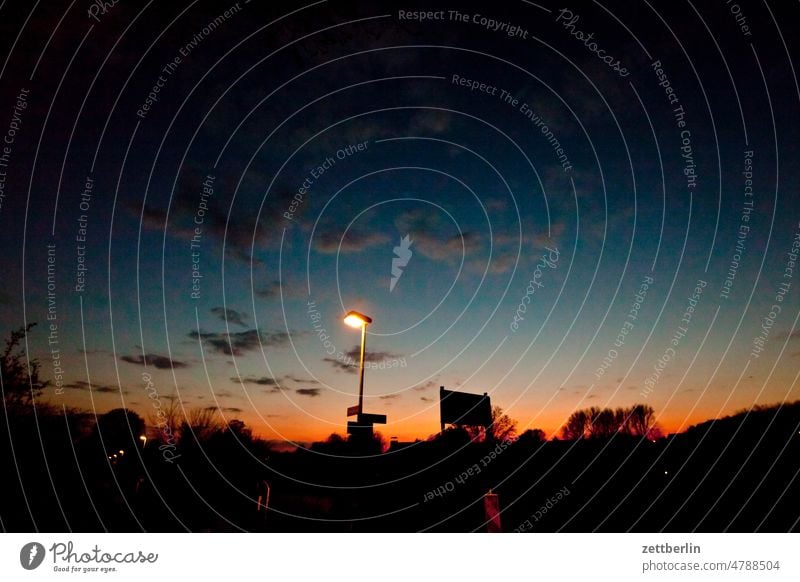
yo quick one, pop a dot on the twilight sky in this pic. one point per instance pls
(601, 200)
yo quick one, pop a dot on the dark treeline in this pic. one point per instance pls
(69, 470)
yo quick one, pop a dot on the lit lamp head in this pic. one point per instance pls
(356, 319)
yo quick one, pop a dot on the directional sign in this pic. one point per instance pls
(353, 410)
(371, 418)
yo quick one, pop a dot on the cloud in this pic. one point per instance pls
(300, 380)
(230, 409)
(540, 239)
(431, 122)
(350, 368)
(354, 241)
(244, 230)
(262, 381)
(429, 239)
(426, 399)
(311, 392)
(502, 262)
(426, 386)
(495, 204)
(91, 352)
(270, 290)
(230, 315)
(285, 288)
(371, 356)
(351, 362)
(160, 362)
(389, 396)
(235, 344)
(450, 248)
(274, 384)
(83, 385)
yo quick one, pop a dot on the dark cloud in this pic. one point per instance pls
(286, 289)
(300, 380)
(269, 290)
(91, 352)
(353, 241)
(230, 315)
(350, 363)
(230, 409)
(273, 383)
(389, 396)
(371, 356)
(262, 381)
(160, 362)
(312, 392)
(83, 385)
(244, 230)
(235, 344)
(426, 399)
(426, 386)
(348, 367)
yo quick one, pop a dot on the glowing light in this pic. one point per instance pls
(356, 319)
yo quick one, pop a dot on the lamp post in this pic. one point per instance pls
(356, 319)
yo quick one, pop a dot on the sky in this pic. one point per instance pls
(560, 205)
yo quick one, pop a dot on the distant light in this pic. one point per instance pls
(121, 452)
(356, 319)
(665, 473)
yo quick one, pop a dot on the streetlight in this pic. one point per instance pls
(356, 319)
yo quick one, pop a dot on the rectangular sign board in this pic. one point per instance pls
(461, 408)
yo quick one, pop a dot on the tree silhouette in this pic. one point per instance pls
(576, 426)
(503, 428)
(533, 435)
(200, 424)
(642, 420)
(119, 429)
(594, 422)
(20, 375)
